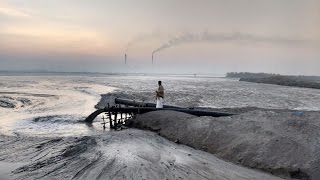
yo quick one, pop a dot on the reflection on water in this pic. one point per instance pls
(57, 105)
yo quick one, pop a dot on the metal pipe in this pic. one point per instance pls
(142, 110)
(134, 103)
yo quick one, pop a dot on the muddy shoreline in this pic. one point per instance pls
(277, 79)
(282, 142)
(285, 144)
(53, 143)
(127, 154)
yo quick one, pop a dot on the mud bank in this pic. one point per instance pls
(283, 80)
(128, 154)
(286, 144)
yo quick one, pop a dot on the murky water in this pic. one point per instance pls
(48, 105)
(57, 105)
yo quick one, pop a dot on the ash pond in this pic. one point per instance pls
(43, 135)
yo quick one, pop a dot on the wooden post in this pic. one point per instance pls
(110, 117)
(115, 120)
(120, 121)
(104, 122)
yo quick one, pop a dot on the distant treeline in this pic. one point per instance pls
(296, 81)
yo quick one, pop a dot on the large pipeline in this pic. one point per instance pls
(141, 110)
(128, 102)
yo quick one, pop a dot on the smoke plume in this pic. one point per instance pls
(225, 37)
(134, 41)
(144, 37)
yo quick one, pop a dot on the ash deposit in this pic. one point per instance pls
(43, 136)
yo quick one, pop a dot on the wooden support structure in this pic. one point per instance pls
(140, 108)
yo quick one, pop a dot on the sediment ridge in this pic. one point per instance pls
(283, 143)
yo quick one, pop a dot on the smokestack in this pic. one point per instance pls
(152, 58)
(125, 58)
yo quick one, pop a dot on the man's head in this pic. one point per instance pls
(159, 83)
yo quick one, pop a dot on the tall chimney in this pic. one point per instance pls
(125, 58)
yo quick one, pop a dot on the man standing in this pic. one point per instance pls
(160, 95)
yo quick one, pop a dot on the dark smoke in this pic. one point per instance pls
(225, 37)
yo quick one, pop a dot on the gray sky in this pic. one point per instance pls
(188, 36)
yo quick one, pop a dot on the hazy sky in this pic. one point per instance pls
(187, 36)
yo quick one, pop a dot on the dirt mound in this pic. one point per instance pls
(286, 144)
(128, 154)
